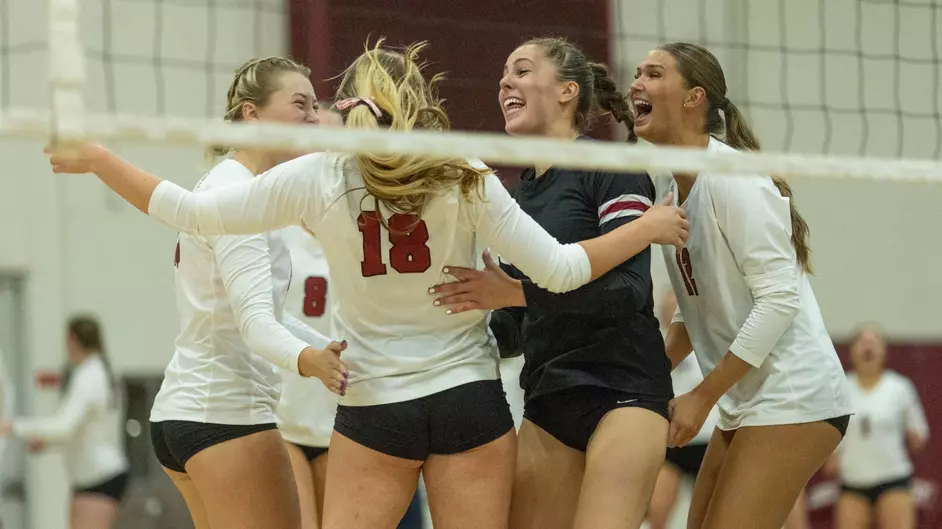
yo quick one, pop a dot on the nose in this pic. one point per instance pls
(313, 117)
(636, 86)
(505, 82)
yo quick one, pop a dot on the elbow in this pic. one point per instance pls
(573, 270)
(784, 300)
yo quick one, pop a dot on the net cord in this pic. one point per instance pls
(493, 148)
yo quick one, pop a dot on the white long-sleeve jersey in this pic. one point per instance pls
(874, 450)
(87, 425)
(307, 409)
(230, 298)
(740, 289)
(400, 346)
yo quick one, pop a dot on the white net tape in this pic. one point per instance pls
(490, 147)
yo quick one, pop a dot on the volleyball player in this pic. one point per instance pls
(87, 425)
(872, 462)
(213, 423)
(746, 308)
(595, 378)
(424, 391)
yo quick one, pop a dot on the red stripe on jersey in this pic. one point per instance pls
(621, 206)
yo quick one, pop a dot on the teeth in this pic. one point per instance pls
(641, 104)
(510, 101)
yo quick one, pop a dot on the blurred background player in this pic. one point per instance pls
(872, 462)
(88, 427)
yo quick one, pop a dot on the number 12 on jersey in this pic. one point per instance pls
(408, 251)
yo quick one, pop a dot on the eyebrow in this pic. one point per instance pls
(518, 60)
(649, 65)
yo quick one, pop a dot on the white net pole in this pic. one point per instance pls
(66, 77)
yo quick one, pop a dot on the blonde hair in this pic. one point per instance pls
(254, 82)
(393, 81)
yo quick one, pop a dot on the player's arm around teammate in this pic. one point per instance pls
(469, 483)
(747, 306)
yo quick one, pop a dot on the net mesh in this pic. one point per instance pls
(847, 77)
(815, 76)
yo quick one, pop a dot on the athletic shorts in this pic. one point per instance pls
(573, 414)
(872, 494)
(175, 442)
(113, 488)
(449, 422)
(687, 459)
(311, 452)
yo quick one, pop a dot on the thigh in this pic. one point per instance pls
(765, 469)
(319, 471)
(366, 489)
(705, 484)
(194, 502)
(304, 480)
(547, 480)
(852, 512)
(798, 517)
(472, 489)
(247, 483)
(93, 511)
(617, 484)
(664, 496)
(896, 509)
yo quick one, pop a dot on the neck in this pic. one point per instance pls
(694, 140)
(255, 161)
(868, 380)
(559, 130)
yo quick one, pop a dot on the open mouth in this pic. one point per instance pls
(512, 105)
(642, 110)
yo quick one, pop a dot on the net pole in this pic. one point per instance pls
(67, 74)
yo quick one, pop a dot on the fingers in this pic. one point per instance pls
(448, 301)
(462, 307)
(450, 289)
(462, 274)
(489, 261)
(668, 198)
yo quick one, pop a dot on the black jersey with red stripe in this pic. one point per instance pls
(605, 333)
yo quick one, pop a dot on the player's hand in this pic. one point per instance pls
(35, 445)
(668, 224)
(75, 158)
(687, 414)
(486, 289)
(326, 365)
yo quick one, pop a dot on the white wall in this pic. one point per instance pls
(80, 248)
(876, 245)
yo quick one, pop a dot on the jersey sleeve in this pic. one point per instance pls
(914, 415)
(756, 222)
(289, 194)
(506, 229)
(619, 199)
(83, 395)
(245, 265)
(305, 332)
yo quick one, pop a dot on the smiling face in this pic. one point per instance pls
(658, 95)
(533, 99)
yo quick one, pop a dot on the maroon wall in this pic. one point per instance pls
(469, 41)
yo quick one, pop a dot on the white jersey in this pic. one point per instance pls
(400, 346)
(306, 410)
(740, 289)
(230, 298)
(87, 425)
(874, 449)
(685, 377)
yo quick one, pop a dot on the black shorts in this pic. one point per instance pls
(113, 488)
(872, 494)
(573, 414)
(175, 442)
(840, 423)
(448, 422)
(311, 452)
(687, 459)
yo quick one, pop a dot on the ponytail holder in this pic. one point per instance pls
(357, 101)
(724, 104)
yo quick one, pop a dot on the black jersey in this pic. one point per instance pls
(605, 333)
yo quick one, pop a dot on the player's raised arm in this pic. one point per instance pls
(278, 198)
